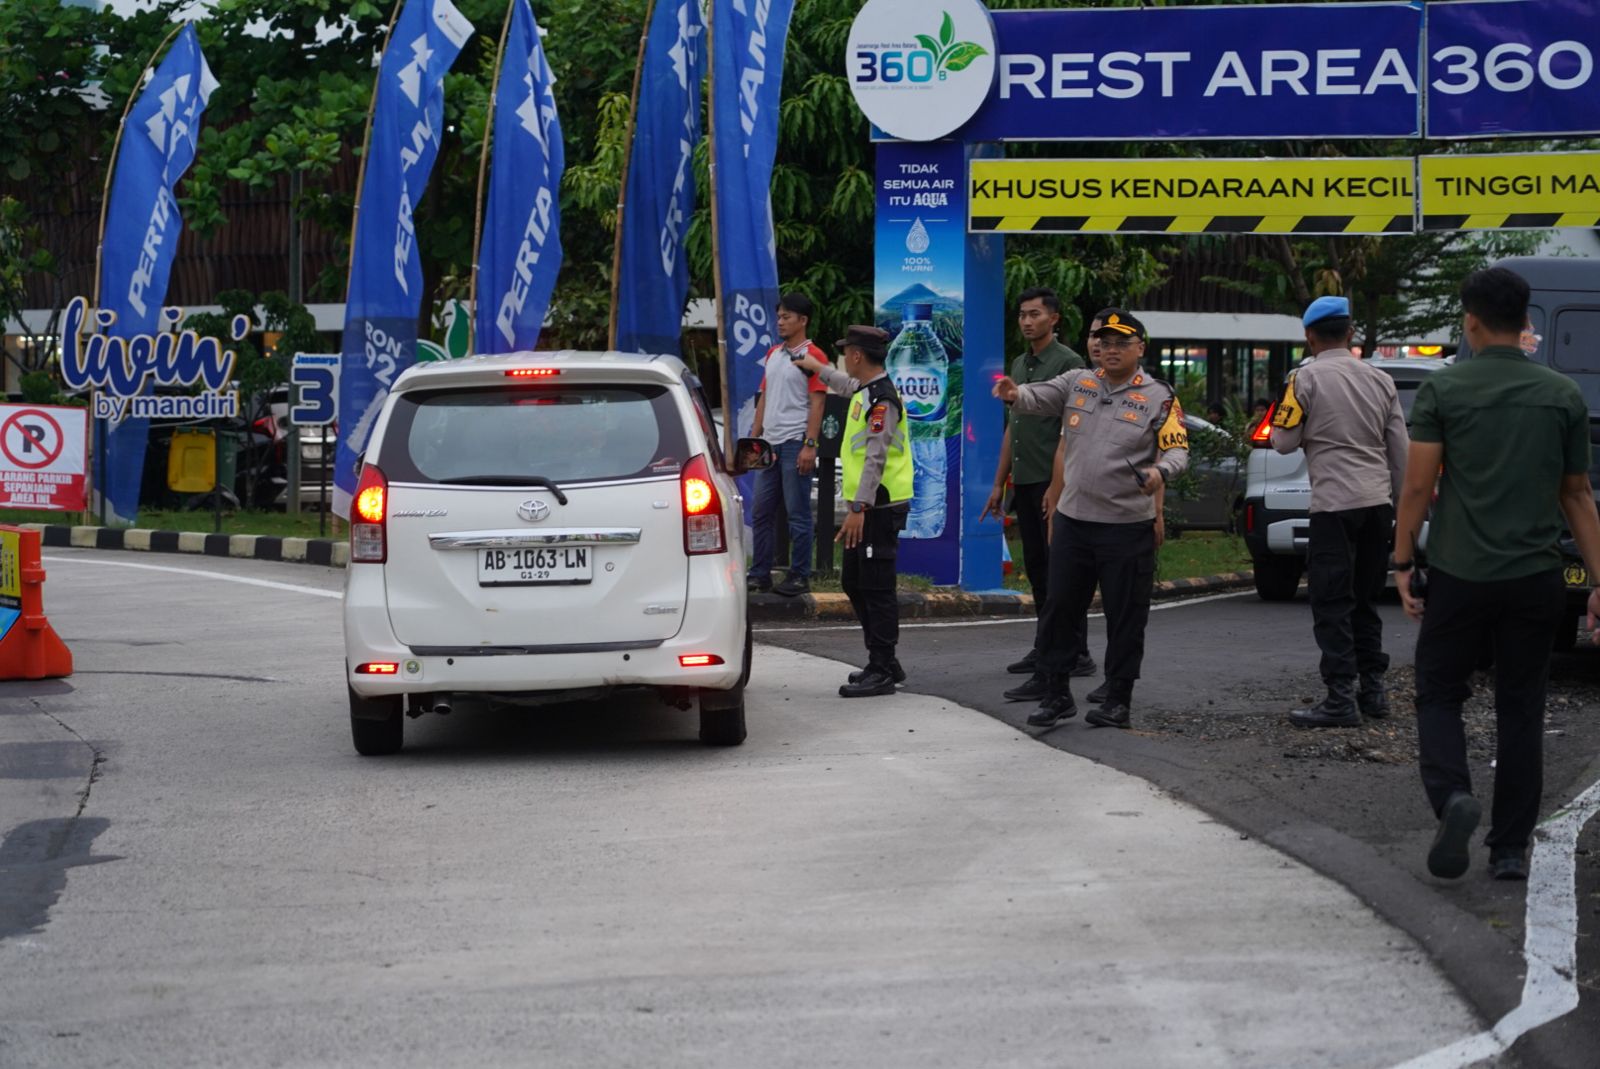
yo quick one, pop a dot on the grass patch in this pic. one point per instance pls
(278, 524)
(1194, 555)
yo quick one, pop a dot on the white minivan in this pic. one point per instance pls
(540, 528)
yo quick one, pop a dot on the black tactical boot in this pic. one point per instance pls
(1115, 709)
(1373, 697)
(1337, 710)
(1057, 707)
(1099, 694)
(875, 679)
(896, 673)
(1027, 666)
(1036, 689)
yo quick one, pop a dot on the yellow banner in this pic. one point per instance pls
(1194, 196)
(1511, 192)
(10, 567)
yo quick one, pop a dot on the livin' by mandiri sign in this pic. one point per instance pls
(122, 370)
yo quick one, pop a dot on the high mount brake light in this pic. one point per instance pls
(532, 372)
(702, 510)
(369, 518)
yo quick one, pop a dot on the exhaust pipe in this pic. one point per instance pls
(441, 704)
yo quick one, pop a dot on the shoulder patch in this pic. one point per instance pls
(1173, 434)
(1289, 415)
(876, 418)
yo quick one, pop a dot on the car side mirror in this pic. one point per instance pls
(753, 454)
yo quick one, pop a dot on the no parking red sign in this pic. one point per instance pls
(43, 457)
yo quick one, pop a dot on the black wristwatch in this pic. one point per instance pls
(856, 506)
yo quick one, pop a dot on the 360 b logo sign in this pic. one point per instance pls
(936, 58)
(921, 86)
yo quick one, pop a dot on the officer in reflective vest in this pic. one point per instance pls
(876, 454)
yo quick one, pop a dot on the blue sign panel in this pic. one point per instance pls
(1314, 70)
(1513, 67)
(317, 375)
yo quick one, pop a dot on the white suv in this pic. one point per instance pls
(544, 527)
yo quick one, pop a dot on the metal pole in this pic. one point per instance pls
(622, 189)
(297, 295)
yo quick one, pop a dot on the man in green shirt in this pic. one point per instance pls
(1027, 455)
(1512, 440)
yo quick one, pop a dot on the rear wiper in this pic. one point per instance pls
(506, 480)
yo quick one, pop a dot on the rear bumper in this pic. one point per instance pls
(714, 623)
(1275, 533)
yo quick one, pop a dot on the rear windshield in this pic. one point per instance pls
(501, 436)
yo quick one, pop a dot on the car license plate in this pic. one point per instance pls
(1577, 575)
(530, 567)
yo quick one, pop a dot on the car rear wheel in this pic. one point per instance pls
(1277, 578)
(377, 725)
(722, 717)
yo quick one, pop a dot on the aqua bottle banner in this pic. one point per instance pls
(920, 286)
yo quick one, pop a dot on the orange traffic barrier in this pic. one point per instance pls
(29, 646)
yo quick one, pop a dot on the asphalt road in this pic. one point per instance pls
(197, 870)
(1220, 672)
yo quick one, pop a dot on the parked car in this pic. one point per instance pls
(1564, 317)
(1216, 502)
(1276, 510)
(314, 467)
(544, 527)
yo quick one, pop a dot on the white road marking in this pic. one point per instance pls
(191, 572)
(1029, 620)
(1550, 947)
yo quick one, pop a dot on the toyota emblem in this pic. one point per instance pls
(533, 511)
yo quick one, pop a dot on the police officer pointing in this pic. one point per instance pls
(877, 488)
(1124, 439)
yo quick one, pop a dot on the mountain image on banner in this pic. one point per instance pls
(893, 308)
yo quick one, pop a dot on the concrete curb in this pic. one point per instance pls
(772, 608)
(764, 608)
(324, 551)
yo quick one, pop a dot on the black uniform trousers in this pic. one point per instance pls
(869, 580)
(1121, 558)
(1348, 562)
(1028, 499)
(1518, 618)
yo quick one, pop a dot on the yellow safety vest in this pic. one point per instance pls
(896, 486)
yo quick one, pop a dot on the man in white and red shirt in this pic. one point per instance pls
(789, 417)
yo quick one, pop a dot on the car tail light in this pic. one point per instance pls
(1261, 437)
(1249, 519)
(702, 510)
(699, 660)
(378, 668)
(369, 514)
(532, 372)
(267, 426)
